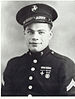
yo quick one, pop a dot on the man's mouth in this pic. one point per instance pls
(34, 43)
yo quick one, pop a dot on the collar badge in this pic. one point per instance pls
(34, 8)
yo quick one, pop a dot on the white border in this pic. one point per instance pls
(44, 97)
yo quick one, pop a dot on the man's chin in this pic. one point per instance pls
(35, 49)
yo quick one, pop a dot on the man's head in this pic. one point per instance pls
(37, 21)
(37, 36)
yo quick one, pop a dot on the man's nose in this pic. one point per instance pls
(34, 39)
(35, 36)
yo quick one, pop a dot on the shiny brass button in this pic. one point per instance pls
(30, 77)
(34, 61)
(32, 69)
(30, 87)
(29, 95)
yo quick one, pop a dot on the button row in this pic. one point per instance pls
(31, 77)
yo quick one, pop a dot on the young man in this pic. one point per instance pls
(41, 71)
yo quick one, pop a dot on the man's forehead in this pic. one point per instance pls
(38, 26)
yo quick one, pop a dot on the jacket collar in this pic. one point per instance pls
(41, 53)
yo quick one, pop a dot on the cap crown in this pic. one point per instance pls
(36, 10)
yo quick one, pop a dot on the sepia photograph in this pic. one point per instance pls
(37, 48)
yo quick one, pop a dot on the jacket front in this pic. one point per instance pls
(40, 74)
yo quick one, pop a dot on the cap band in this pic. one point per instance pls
(37, 18)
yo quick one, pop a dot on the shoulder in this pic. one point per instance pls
(14, 63)
(67, 66)
(62, 58)
(17, 59)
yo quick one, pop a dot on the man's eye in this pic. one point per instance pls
(41, 32)
(30, 32)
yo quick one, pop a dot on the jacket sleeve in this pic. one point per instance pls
(67, 77)
(8, 87)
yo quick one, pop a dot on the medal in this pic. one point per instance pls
(47, 76)
(42, 73)
(45, 71)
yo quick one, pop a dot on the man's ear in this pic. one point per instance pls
(24, 32)
(51, 34)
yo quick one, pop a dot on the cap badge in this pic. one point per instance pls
(34, 8)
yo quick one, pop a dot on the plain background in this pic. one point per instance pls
(12, 36)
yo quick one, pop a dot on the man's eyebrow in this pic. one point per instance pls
(29, 29)
(34, 30)
(41, 30)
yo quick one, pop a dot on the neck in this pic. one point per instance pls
(39, 51)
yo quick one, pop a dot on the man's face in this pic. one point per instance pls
(37, 36)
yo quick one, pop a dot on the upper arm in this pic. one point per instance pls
(67, 77)
(8, 86)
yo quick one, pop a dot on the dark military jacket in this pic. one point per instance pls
(40, 74)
